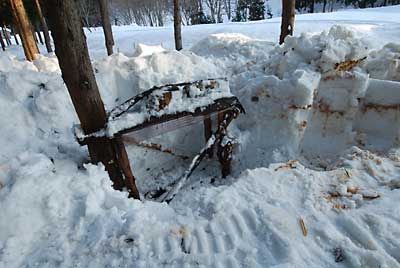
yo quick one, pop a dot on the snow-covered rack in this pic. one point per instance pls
(169, 107)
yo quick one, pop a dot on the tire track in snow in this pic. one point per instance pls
(214, 244)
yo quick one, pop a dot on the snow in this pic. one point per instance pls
(316, 143)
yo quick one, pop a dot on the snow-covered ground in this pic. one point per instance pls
(319, 144)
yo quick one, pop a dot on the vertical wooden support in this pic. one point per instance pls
(123, 162)
(224, 151)
(77, 72)
(207, 133)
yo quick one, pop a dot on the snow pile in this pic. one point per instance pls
(316, 52)
(307, 98)
(59, 212)
(388, 56)
(36, 108)
(121, 77)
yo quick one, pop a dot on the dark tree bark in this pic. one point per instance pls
(312, 4)
(105, 19)
(288, 13)
(76, 68)
(6, 35)
(177, 25)
(43, 24)
(24, 29)
(3, 46)
(34, 34)
(14, 33)
(324, 6)
(37, 29)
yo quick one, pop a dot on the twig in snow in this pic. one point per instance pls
(303, 226)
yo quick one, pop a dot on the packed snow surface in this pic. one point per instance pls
(316, 168)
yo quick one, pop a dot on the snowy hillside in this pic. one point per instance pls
(316, 168)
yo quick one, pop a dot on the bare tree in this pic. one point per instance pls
(86, 10)
(312, 4)
(177, 25)
(228, 8)
(288, 13)
(215, 9)
(76, 68)
(3, 45)
(6, 34)
(24, 29)
(105, 19)
(43, 24)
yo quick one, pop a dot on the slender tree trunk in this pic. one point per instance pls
(34, 34)
(6, 35)
(177, 25)
(24, 29)
(324, 6)
(14, 33)
(312, 4)
(288, 13)
(37, 28)
(44, 27)
(76, 68)
(3, 46)
(105, 19)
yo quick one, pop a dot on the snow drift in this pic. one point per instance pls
(301, 106)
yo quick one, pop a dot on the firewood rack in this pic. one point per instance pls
(166, 108)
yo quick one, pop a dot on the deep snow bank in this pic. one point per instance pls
(55, 211)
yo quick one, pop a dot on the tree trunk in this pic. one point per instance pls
(312, 4)
(177, 25)
(24, 29)
(14, 33)
(324, 6)
(43, 24)
(6, 35)
(37, 29)
(288, 13)
(34, 34)
(105, 19)
(3, 46)
(76, 68)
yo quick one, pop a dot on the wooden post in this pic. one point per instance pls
(177, 25)
(105, 20)
(24, 29)
(43, 24)
(288, 13)
(76, 68)
(207, 133)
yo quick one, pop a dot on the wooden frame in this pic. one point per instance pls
(226, 107)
